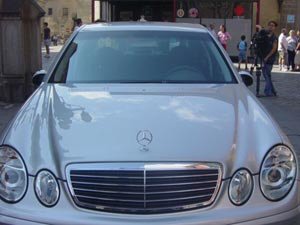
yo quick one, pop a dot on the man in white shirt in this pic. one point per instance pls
(282, 49)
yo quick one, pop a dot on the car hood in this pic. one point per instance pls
(63, 124)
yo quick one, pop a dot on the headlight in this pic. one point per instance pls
(240, 187)
(278, 173)
(46, 188)
(13, 175)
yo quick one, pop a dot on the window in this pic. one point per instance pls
(50, 11)
(143, 57)
(65, 11)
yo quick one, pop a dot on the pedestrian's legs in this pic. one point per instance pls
(293, 54)
(280, 59)
(269, 87)
(47, 46)
(289, 59)
(285, 62)
(47, 50)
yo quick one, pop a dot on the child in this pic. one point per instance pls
(242, 48)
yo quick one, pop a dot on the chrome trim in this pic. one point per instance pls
(137, 193)
(160, 177)
(144, 167)
(142, 185)
(142, 201)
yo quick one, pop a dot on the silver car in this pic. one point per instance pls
(145, 123)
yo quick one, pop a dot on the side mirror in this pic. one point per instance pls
(247, 78)
(38, 77)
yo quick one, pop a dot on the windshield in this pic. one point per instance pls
(143, 57)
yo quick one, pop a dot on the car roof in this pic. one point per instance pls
(152, 26)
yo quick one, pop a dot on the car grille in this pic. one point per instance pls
(142, 188)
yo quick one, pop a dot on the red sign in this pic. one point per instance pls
(193, 12)
(239, 10)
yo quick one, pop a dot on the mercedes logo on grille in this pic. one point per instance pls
(144, 138)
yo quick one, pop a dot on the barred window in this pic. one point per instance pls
(50, 11)
(65, 11)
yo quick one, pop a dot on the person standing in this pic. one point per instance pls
(297, 57)
(142, 19)
(282, 49)
(212, 30)
(223, 36)
(47, 39)
(269, 58)
(242, 48)
(298, 36)
(292, 45)
(78, 24)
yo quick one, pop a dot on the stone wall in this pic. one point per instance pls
(269, 11)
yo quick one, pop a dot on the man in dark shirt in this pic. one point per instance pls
(269, 59)
(47, 39)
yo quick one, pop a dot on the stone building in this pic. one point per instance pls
(290, 14)
(285, 12)
(60, 15)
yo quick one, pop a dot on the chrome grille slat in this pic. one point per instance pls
(139, 185)
(142, 192)
(154, 177)
(144, 188)
(142, 201)
(108, 184)
(112, 199)
(96, 176)
(188, 183)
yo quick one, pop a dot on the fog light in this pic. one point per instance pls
(240, 187)
(46, 188)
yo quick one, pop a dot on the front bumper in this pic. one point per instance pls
(256, 211)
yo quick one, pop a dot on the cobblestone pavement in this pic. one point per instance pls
(286, 107)
(54, 50)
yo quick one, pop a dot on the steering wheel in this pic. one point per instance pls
(185, 72)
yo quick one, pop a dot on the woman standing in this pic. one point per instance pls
(297, 57)
(224, 36)
(292, 45)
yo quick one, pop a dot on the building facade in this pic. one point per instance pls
(60, 15)
(290, 14)
(285, 12)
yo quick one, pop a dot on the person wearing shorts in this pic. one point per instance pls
(282, 49)
(47, 39)
(242, 48)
